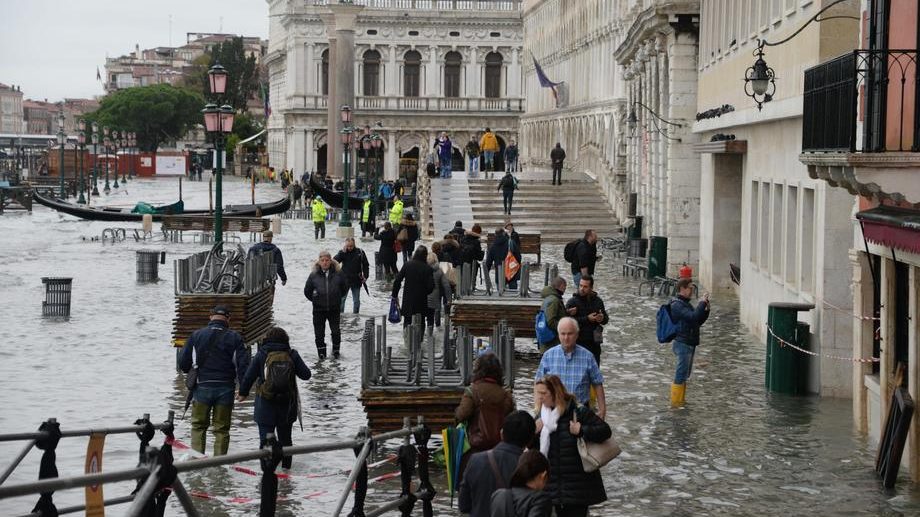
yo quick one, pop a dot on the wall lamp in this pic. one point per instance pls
(759, 79)
(633, 121)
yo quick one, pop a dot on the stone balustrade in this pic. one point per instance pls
(431, 5)
(429, 104)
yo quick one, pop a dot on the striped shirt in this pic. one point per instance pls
(577, 370)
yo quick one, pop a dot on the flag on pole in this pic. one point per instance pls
(560, 90)
(266, 104)
(98, 75)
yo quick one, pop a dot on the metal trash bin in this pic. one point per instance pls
(657, 257)
(148, 265)
(787, 368)
(57, 296)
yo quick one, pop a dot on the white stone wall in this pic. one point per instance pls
(298, 39)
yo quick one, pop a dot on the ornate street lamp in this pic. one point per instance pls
(132, 142)
(62, 139)
(348, 138)
(95, 137)
(218, 122)
(105, 148)
(124, 147)
(81, 140)
(115, 149)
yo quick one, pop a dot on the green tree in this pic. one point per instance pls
(157, 113)
(242, 70)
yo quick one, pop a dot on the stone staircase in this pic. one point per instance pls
(559, 213)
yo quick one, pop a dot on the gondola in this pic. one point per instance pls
(93, 213)
(335, 199)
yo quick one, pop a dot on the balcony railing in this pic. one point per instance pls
(885, 84)
(433, 5)
(434, 104)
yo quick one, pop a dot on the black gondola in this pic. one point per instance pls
(125, 214)
(335, 199)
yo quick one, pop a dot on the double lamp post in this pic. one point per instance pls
(218, 122)
(367, 141)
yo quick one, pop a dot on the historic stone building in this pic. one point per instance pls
(420, 67)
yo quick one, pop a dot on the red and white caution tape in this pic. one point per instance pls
(849, 312)
(783, 342)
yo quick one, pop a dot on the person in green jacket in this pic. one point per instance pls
(553, 308)
(367, 217)
(318, 209)
(396, 213)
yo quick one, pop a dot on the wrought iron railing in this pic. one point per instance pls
(879, 87)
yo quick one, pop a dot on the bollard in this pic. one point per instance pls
(57, 297)
(787, 368)
(147, 265)
(147, 223)
(276, 225)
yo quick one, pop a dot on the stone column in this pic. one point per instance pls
(308, 67)
(432, 84)
(391, 170)
(391, 85)
(473, 83)
(514, 75)
(310, 152)
(340, 23)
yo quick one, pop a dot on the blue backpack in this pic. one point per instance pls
(544, 333)
(666, 327)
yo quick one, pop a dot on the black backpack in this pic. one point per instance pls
(570, 248)
(278, 375)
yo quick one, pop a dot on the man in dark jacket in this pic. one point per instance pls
(689, 319)
(419, 279)
(557, 157)
(472, 155)
(275, 412)
(479, 479)
(588, 310)
(585, 256)
(511, 157)
(325, 288)
(356, 270)
(553, 308)
(221, 359)
(296, 192)
(458, 230)
(266, 246)
(513, 235)
(508, 184)
(498, 251)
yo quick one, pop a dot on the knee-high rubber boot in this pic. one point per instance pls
(201, 420)
(677, 395)
(221, 425)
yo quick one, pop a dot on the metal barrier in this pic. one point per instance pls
(157, 474)
(148, 265)
(57, 297)
(224, 271)
(114, 234)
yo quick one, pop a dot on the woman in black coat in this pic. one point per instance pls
(572, 489)
(386, 254)
(419, 279)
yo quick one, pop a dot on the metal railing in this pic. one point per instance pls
(157, 473)
(399, 103)
(883, 82)
(428, 5)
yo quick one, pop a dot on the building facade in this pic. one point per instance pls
(862, 140)
(419, 68)
(11, 120)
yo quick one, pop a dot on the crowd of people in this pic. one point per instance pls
(519, 463)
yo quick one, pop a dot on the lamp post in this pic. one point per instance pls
(124, 151)
(62, 139)
(376, 142)
(95, 137)
(132, 143)
(218, 122)
(81, 140)
(115, 150)
(105, 148)
(348, 137)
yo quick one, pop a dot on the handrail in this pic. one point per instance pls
(157, 472)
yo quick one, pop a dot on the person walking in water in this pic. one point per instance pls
(325, 289)
(591, 315)
(508, 184)
(488, 144)
(277, 404)
(318, 210)
(689, 319)
(266, 246)
(220, 359)
(557, 157)
(356, 270)
(387, 252)
(575, 365)
(419, 280)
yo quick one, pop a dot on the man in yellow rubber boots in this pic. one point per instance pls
(689, 319)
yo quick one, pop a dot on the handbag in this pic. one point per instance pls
(512, 266)
(403, 235)
(394, 316)
(596, 455)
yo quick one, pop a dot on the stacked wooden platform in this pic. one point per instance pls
(387, 406)
(250, 315)
(480, 313)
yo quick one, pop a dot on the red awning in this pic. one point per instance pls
(897, 228)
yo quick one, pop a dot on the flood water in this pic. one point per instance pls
(734, 449)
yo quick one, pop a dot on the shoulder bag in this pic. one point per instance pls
(595, 455)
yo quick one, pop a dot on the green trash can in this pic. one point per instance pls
(657, 256)
(787, 368)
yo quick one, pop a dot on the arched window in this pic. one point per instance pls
(325, 72)
(412, 71)
(452, 62)
(372, 73)
(493, 75)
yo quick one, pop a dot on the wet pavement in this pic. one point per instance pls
(734, 449)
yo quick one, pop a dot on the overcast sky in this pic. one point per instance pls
(53, 47)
